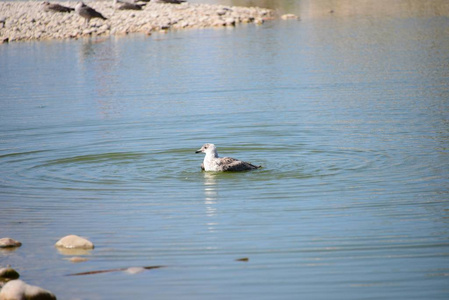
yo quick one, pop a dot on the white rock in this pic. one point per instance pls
(74, 242)
(19, 290)
(289, 17)
(134, 270)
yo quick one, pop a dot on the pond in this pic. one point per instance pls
(347, 114)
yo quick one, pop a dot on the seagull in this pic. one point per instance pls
(123, 5)
(169, 1)
(212, 162)
(87, 12)
(56, 7)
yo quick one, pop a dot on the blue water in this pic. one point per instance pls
(348, 116)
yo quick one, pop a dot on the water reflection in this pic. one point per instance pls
(73, 252)
(210, 195)
(100, 58)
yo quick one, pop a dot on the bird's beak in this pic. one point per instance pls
(199, 151)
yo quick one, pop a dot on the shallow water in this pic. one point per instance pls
(348, 116)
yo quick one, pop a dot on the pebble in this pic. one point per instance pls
(289, 17)
(26, 20)
(19, 290)
(9, 242)
(134, 270)
(74, 242)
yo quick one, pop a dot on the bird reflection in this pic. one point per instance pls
(210, 199)
(99, 59)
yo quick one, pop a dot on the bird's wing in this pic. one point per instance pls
(232, 164)
(131, 6)
(59, 8)
(94, 14)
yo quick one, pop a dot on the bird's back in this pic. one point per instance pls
(129, 6)
(56, 7)
(232, 164)
(89, 13)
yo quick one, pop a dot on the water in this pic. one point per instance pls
(347, 115)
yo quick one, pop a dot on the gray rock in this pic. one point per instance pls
(19, 290)
(8, 273)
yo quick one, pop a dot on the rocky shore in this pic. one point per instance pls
(27, 20)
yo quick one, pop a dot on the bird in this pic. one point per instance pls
(56, 7)
(212, 162)
(169, 1)
(123, 5)
(87, 12)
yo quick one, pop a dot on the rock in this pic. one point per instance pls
(19, 290)
(134, 270)
(105, 27)
(245, 259)
(8, 273)
(74, 242)
(230, 22)
(9, 243)
(289, 17)
(88, 31)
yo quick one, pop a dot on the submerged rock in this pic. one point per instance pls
(19, 290)
(77, 259)
(134, 270)
(74, 242)
(289, 17)
(9, 243)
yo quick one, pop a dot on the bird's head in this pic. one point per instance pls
(207, 148)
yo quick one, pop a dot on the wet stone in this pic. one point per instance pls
(8, 273)
(9, 243)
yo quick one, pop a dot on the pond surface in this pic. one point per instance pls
(349, 117)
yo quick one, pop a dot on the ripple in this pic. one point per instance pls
(39, 169)
(121, 157)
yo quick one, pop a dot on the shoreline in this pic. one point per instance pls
(27, 20)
